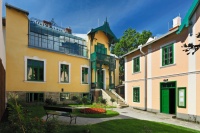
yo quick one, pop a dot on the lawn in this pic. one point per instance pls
(115, 126)
(127, 126)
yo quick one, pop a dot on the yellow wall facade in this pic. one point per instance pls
(17, 50)
(100, 37)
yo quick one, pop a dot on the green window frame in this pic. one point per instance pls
(84, 75)
(136, 64)
(182, 97)
(168, 55)
(136, 94)
(64, 73)
(35, 70)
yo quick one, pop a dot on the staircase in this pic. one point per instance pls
(118, 100)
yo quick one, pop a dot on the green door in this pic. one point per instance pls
(100, 79)
(165, 101)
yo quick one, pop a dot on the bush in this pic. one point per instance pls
(49, 101)
(74, 98)
(20, 120)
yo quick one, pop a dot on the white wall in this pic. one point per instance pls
(2, 39)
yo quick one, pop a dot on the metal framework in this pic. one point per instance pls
(97, 61)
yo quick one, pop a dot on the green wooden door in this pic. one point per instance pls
(165, 101)
(100, 79)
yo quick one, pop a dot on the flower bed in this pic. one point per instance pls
(93, 111)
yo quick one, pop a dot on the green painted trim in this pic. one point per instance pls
(137, 89)
(167, 51)
(186, 20)
(168, 88)
(136, 64)
(106, 29)
(38, 65)
(182, 88)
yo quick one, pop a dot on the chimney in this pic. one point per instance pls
(176, 21)
(69, 30)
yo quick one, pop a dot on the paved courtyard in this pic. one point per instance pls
(129, 113)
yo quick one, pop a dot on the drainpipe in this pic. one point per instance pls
(145, 77)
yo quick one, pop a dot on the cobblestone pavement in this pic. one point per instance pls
(129, 113)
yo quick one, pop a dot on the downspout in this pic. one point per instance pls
(145, 77)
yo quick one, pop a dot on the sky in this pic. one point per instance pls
(83, 15)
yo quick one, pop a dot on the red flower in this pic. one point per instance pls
(93, 110)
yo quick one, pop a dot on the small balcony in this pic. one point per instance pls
(104, 59)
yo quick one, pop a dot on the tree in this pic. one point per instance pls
(191, 47)
(130, 40)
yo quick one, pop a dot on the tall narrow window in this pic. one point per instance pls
(136, 94)
(84, 75)
(168, 55)
(64, 73)
(35, 70)
(136, 64)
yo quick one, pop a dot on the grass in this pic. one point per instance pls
(35, 110)
(128, 126)
(114, 126)
(38, 111)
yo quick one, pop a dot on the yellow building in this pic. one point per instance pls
(47, 61)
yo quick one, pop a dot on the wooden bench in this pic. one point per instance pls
(60, 111)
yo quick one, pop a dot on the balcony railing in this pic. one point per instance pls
(105, 59)
(66, 48)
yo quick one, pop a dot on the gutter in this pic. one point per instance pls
(145, 77)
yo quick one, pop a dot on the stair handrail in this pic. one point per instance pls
(118, 96)
(107, 95)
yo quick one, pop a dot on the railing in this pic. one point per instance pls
(107, 97)
(66, 50)
(106, 59)
(112, 86)
(118, 96)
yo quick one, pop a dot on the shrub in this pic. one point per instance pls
(48, 101)
(74, 98)
(85, 100)
(20, 120)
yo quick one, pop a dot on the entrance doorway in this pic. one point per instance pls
(168, 97)
(100, 79)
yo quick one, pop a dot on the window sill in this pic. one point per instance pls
(64, 82)
(167, 65)
(85, 83)
(34, 81)
(137, 102)
(136, 72)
